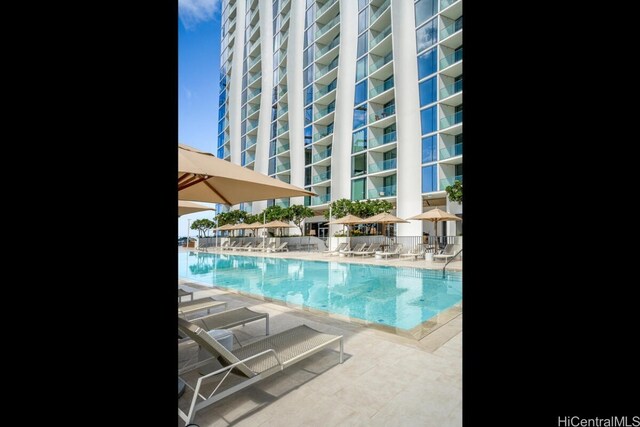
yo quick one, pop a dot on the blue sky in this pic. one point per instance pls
(198, 77)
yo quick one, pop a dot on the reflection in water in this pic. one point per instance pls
(398, 297)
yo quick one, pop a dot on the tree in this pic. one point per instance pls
(298, 213)
(339, 208)
(231, 217)
(276, 213)
(361, 208)
(203, 226)
(455, 191)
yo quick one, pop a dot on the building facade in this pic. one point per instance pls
(356, 99)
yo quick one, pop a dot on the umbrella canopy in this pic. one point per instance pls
(347, 220)
(205, 178)
(225, 227)
(434, 215)
(185, 207)
(277, 224)
(384, 218)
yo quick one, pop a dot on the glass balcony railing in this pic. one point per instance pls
(252, 109)
(386, 191)
(382, 166)
(446, 3)
(253, 93)
(253, 61)
(358, 145)
(254, 78)
(319, 135)
(322, 9)
(381, 62)
(450, 29)
(254, 30)
(445, 182)
(255, 12)
(323, 91)
(249, 158)
(251, 142)
(328, 47)
(283, 148)
(324, 70)
(453, 88)
(321, 156)
(253, 45)
(385, 139)
(323, 112)
(447, 153)
(285, 178)
(384, 6)
(282, 129)
(252, 124)
(282, 110)
(321, 177)
(329, 25)
(282, 92)
(451, 59)
(451, 120)
(283, 167)
(377, 90)
(320, 200)
(284, 19)
(385, 112)
(284, 4)
(379, 37)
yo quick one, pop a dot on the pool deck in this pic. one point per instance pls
(385, 380)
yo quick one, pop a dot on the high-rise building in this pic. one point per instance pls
(357, 99)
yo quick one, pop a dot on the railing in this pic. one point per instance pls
(282, 110)
(446, 153)
(282, 129)
(252, 109)
(321, 156)
(321, 177)
(253, 45)
(453, 88)
(253, 93)
(253, 61)
(329, 25)
(407, 242)
(450, 29)
(320, 200)
(377, 90)
(387, 191)
(379, 37)
(251, 142)
(286, 17)
(325, 70)
(254, 30)
(283, 167)
(252, 124)
(328, 47)
(385, 112)
(358, 145)
(323, 112)
(386, 139)
(451, 120)
(283, 148)
(446, 3)
(382, 166)
(451, 59)
(447, 263)
(380, 11)
(283, 92)
(248, 158)
(253, 14)
(319, 135)
(381, 62)
(445, 182)
(324, 90)
(254, 78)
(322, 9)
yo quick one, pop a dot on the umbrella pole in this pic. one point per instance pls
(435, 251)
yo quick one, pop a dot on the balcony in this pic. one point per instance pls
(254, 78)
(376, 92)
(451, 59)
(379, 63)
(325, 28)
(324, 91)
(375, 15)
(252, 124)
(320, 200)
(284, 19)
(325, 176)
(283, 129)
(251, 142)
(252, 62)
(450, 29)
(328, 48)
(283, 167)
(322, 9)
(282, 110)
(282, 92)
(384, 113)
(321, 135)
(282, 149)
(448, 121)
(324, 154)
(446, 3)
(386, 191)
(385, 165)
(249, 158)
(387, 138)
(447, 153)
(445, 182)
(322, 71)
(253, 93)
(323, 112)
(451, 89)
(379, 37)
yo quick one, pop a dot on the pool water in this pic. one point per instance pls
(399, 297)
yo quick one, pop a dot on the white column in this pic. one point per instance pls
(235, 85)
(405, 68)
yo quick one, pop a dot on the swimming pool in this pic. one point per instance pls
(397, 297)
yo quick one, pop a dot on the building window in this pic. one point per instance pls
(363, 19)
(308, 76)
(425, 9)
(357, 189)
(361, 69)
(427, 35)
(429, 179)
(310, 17)
(362, 3)
(429, 145)
(360, 116)
(308, 95)
(307, 135)
(359, 141)
(428, 92)
(361, 93)
(362, 44)
(308, 57)
(359, 165)
(428, 120)
(308, 115)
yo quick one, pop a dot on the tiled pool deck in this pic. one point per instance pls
(385, 380)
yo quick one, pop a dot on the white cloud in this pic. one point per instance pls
(192, 12)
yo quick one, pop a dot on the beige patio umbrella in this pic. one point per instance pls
(277, 224)
(385, 218)
(347, 220)
(435, 215)
(185, 207)
(205, 178)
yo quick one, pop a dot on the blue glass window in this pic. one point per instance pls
(358, 187)
(272, 166)
(307, 135)
(221, 111)
(360, 116)
(308, 57)
(359, 141)
(428, 120)
(429, 145)
(425, 9)
(427, 63)
(429, 180)
(361, 93)
(220, 140)
(362, 44)
(308, 115)
(308, 76)
(361, 69)
(363, 20)
(362, 3)
(427, 35)
(221, 125)
(428, 92)
(309, 17)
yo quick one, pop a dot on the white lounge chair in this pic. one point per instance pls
(281, 248)
(230, 246)
(246, 365)
(394, 250)
(340, 247)
(415, 252)
(229, 319)
(371, 250)
(244, 248)
(207, 303)
(449, 251)
(259, 247)
(358, 248)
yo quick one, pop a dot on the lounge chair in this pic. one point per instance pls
(183, 293)
(249, 364)
(269, 247)
(230, 246)
(394, 250)
(228, 319)
(371, 250)
(340, 247)
(449, 252)
(207, 303)
(225, 245)
(416, 252)
(258, 247)
(358, 248)
(243, 248)
(281, 248)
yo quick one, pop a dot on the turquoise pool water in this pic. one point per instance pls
(393, 296)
